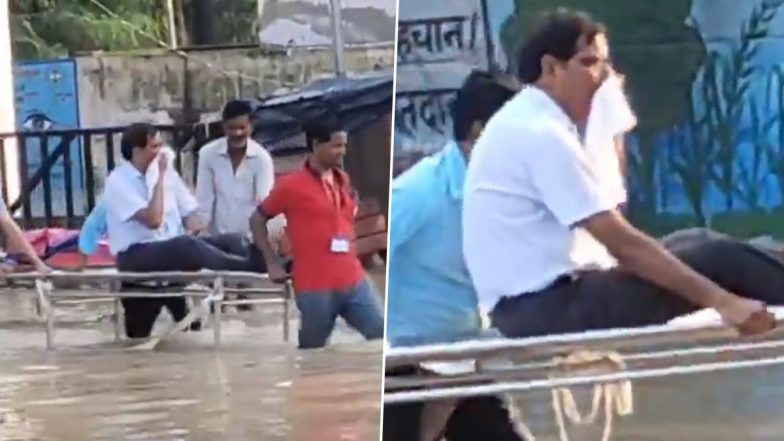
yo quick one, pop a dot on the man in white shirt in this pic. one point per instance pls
(546, 248)
(235, 173)
(146, 227)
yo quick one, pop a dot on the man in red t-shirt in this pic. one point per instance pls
(320, 206)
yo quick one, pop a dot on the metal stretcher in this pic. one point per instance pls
(607, 360)
(498, 365)
(99, 285)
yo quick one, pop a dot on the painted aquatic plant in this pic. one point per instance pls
(774, 152)
(729, 78)
(691, 155)
(752, 172)
(764, 116)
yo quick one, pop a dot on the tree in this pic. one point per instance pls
(58, 28)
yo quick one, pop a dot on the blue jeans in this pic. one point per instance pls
(359, 306)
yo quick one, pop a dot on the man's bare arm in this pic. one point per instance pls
(258, 227)
(644, 257)
(17, 240)
(152, 215)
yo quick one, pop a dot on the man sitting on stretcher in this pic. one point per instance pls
(146, 226)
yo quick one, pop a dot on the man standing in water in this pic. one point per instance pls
(235, 173)
(320, 208)
(537, 221)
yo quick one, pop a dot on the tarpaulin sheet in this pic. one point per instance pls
(356, 100)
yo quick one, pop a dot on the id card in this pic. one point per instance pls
(340, 245)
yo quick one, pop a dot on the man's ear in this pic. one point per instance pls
(549, 65)
(476, 129)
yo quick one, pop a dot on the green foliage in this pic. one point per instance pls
(56, 28)
(237, 24)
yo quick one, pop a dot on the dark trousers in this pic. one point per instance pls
(617, 299)
(474, 419)
(229, 252)
(141, 313)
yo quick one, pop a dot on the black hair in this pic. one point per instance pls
(135, 135)
(557, 35)
(319, 130)
(236, 108)
(480, 97)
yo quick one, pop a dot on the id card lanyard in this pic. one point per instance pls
(338, 243)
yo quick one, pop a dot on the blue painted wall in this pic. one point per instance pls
(706, 78)
(46, 98)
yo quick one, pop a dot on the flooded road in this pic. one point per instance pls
(256, 388)
(742, 405)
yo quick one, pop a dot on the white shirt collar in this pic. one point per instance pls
(252, 150)
(545, 104)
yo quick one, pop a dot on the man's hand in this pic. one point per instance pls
(6, 268)
(644, 257)
(41, 267)
(749, 317)
(163, 165)
(276, 273)
(195, 224)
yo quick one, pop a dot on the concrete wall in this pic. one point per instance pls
(119, 89)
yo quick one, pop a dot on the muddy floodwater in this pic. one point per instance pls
(742, 405)
(257, 387)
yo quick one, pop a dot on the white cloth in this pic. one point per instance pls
(610, 117)
(708, 317)
(153, 170)
(228, 198)
(528, 182)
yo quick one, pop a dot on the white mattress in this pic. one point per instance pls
(709, 317)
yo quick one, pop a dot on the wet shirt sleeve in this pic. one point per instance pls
(93, 229)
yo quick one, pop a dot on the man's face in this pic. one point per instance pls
(331, 153)
(237, 131)
(581, 76)
(152, 149)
